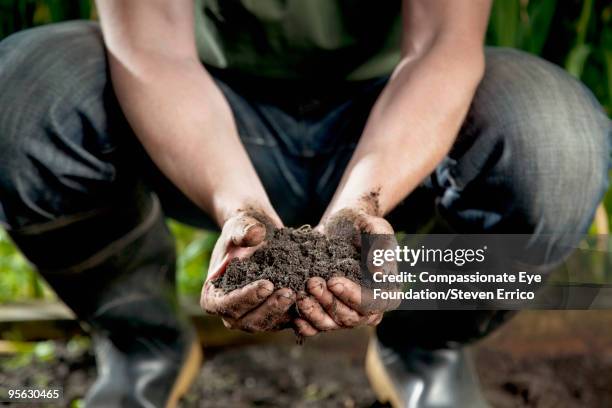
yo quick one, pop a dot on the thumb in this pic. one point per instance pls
(247, 232)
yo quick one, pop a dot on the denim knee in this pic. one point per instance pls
(560, 187)
(54, 136)
(534, 153)
(557, 140)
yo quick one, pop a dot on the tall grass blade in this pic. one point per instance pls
(577, 58)
(541, 14)
(505, 22)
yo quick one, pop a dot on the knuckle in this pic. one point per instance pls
(350, 320)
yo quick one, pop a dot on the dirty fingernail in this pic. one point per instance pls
(338, 288)
(263, 292)
(285, 299)
(316, 288)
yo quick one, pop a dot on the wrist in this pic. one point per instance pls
(367, 203)
(224, 207)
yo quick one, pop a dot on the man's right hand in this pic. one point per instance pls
(256, 306)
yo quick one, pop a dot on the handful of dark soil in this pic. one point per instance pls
(290, 257)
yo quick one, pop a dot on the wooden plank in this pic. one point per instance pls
(34, 311)
(46, 320)
(44, 310)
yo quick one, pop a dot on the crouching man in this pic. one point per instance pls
(297, 109)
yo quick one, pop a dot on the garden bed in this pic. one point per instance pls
(541, 359)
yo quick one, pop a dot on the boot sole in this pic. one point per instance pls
(379, 379)
(187, 375)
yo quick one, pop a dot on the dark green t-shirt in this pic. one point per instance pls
(334, 39)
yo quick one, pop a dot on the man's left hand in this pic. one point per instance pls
(339, 302)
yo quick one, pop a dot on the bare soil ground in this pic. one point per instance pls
(540, 359)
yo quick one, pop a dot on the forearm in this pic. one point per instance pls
(174, 106)
(411, 127)
(186, 126)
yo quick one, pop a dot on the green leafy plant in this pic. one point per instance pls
(17, 278)
(194, 248)
(521, 24)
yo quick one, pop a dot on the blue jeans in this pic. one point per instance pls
(532, 156)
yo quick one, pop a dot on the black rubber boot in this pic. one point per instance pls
(115, 270)
(420, 378)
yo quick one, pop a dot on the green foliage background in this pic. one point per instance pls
(576, 34)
